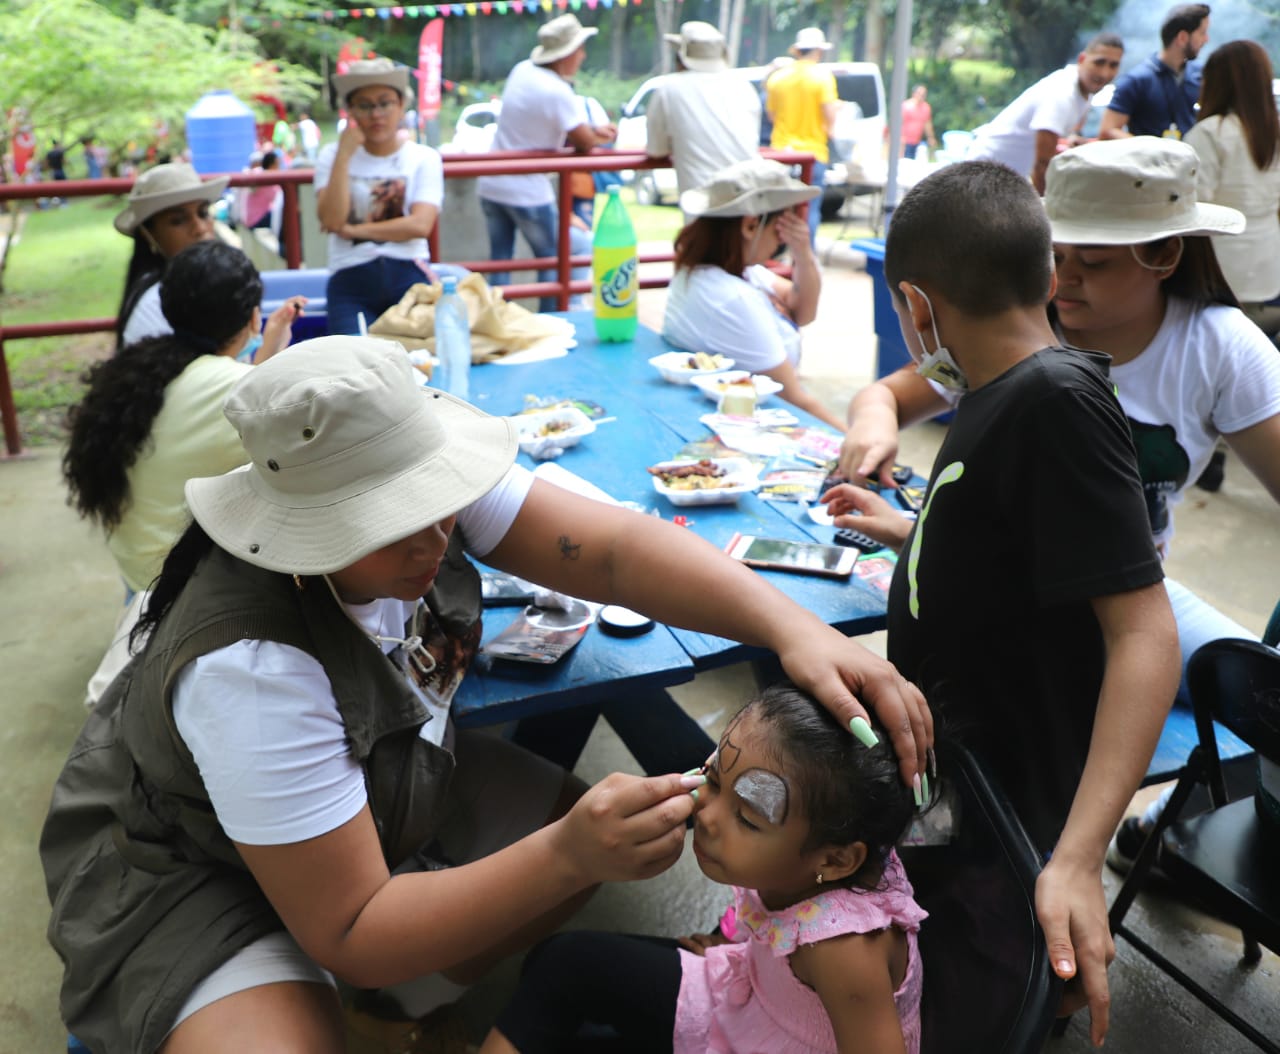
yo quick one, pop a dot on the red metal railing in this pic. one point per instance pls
(456, 166)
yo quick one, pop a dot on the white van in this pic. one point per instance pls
(859, 131)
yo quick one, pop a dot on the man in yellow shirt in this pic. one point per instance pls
(801, 101)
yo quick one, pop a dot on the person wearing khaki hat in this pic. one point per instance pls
(1138, 280)
(540, 111)
(167, 210)
(296, 805)
(723, 299)
(704, 116)
(377, 195)
(803, 103)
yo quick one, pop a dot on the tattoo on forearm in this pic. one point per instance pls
(569, 550)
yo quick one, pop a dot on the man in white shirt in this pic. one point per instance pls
(1025, 134)
(705, 116)
(540, 111)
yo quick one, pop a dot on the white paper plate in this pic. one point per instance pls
(713, 385)
(530, 425)
(819, 515)
(674, 366)
(740, 476)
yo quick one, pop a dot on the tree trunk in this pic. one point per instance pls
(477, 61)
(835, 27)
(734, 36)
(617, 37)
(664, 12)
(726, 8)
(873, 40)
(762, 34)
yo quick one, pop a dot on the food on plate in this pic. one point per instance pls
(693, 475)
(554, 427)
(700, 360)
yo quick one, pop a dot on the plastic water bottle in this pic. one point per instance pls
(615, 272)
(453, 342)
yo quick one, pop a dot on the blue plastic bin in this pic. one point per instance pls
(278, 286)
(221, 132)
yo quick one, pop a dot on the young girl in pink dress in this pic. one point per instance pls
(818, 952)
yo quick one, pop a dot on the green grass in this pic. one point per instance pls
(68, 263)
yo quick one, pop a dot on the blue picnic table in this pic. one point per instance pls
(627, 677)
(650, 420)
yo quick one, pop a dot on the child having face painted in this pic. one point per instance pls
(821, 951)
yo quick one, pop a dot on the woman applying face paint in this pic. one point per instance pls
(821, 953)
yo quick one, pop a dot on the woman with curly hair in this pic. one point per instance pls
(152, 415)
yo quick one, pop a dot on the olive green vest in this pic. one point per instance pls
(149, 895)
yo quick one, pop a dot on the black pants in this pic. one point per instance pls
(592, 992)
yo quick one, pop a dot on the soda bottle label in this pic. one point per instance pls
(615, 281)
(618, 287)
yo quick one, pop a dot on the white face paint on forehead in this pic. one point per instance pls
(764, 792)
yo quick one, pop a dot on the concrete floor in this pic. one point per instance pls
(61, 595)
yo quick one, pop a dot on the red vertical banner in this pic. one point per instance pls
(430, 56)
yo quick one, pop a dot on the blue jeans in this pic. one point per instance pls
(1198, 624)
(819, 180)
(540, 226)
(368, 289)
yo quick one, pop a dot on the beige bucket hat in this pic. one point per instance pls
(348, 454)
(701, 47)
(560, 37)
(754, 187)
(811, 38)
(162, 188)
(1130, 191)
(364, 73)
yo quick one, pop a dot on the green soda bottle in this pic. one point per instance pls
(615, 272)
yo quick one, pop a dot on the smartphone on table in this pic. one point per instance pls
(784, 554)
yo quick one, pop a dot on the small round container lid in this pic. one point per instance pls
(623, 622)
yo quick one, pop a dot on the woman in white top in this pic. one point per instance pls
(377, 197)
(723, 300)
(1237, 139)
(357, 480)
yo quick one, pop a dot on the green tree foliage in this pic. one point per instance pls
(1037, 36)
(77, 67)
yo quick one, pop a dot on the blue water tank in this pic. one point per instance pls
(221, 133)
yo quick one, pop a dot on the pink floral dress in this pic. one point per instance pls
(742, 998)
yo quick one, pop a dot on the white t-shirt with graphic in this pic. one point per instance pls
(1053, 104)
(261, 721)
(712, 311)
(1209, 371)
(383, 188)
(539, 109)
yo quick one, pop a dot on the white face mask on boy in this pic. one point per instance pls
(939, 366)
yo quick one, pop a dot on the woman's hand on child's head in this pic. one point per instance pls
(698, 943)
(865, 511)
(852, 682)
(629, 827)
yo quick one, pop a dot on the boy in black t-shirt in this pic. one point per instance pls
(1028, 602)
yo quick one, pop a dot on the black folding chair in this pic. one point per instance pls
(988, 984)
(1227, 858)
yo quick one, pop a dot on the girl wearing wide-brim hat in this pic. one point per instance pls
(377, 196)
(167, 210)
(272, 794)
(724, 300)
(1137, 278)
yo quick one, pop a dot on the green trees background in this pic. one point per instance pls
(115, 67)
